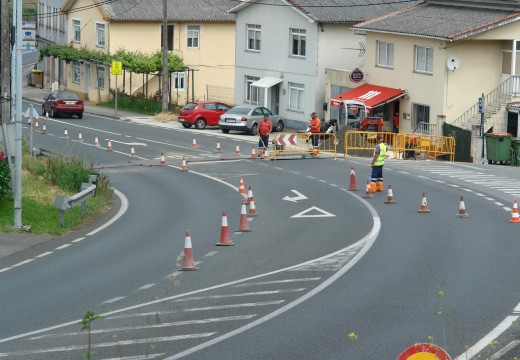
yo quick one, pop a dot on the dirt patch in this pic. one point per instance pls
(166, 117)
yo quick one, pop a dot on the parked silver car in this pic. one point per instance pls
(246, 118)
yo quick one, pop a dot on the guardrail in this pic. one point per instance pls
(301, 144)
(62, 203)
(401, 145)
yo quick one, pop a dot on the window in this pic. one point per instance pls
(298, 42)
(421, 114)
(296, 96)
(251, 91)
(100, 77)
(193, 35)
(76, 74)
(76, 31)
(100, 35)
(179, 80)
(424, 59)
(385, 54)
(169, 35)
(254, 37)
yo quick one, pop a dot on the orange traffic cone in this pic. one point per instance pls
(132, 152)
(241, 186)
(514, 215)
(253, 153)
(390, 197)
(266, 155)
(237, 149)
(260, 152)
(96, 141)
(189, 262)
(80, 137)
(244, 225)
(218, 147)
(225, 240)
(353, 186)
(163, 161)
(424, 205)
(109, 145)
(36, 124)
(368, 191)
(249, 195)
(184, 167)
(44, 129)
(65, 134)
(252, 209)
(462, 209)
(194, 143)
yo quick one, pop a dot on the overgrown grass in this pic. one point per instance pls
(42, 180)
(135, 104)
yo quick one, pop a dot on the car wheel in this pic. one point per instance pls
(187, 126)
(280, 126)
(54, 113)
(200, 123)
(80, 115)
(254, 129)
(225, 131)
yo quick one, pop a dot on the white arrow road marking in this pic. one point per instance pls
(299, 196)
(321, 213)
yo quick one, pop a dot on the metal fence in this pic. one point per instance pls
(300, 144)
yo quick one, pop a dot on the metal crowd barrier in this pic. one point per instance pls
(301, 144)
(401, 145)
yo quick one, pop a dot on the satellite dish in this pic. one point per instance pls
(453, 63)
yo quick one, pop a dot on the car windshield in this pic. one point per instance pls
(239, 110)
(67, 96)
(189, 106)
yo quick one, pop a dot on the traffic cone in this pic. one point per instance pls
(260, 152)
(266, 155)
(244, 225)
(249, 195)
(44, 129)
(80, 137)
(184, 167)
(253, 153)
(194, 143)
(424, 205)
(368, 191)
(218, 147)
(109, 145)
(390, 197)
(237, 149)
(163, 161)
(189, 262)
(241, 186)
(132, 152)
(462, 209)
(225, 240)
(252, 209)
(96, 141)
(36, 124)
(353, 186)
(65, 134)
(514, 215)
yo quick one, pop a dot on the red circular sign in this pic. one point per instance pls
(424, 352)
(356, 75)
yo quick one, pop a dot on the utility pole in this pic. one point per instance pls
(165, 77)
(5, 47)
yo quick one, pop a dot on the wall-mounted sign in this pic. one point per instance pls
(356, 75)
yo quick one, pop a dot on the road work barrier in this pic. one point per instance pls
(301, 144)
(401, 145)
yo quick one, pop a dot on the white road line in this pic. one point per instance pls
(147, 286)
(78, 239)
(488, 339)
(5, 269)
(277, 282)
(62, 247)
(122, 210)
(23, 262)
(404, 172)
(211, 253)
(114, 300)
(109, 344)
(507, 208)
(258, 293)
(498, 203)
(44, 254)
(517, 309)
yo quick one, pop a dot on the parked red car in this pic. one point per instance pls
(62, 102)
(202, 113)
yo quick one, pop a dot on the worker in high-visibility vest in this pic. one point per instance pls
(376, 183)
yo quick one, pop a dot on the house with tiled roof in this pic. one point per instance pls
(283, 49)
(201, 32)
(447, 54)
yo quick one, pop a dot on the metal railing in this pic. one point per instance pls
(425, 128)
(301, 144)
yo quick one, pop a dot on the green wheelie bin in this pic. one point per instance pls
(498, 148)
(515, 146)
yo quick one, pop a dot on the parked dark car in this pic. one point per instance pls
(63, 103)
(202, 113)
(246, 118)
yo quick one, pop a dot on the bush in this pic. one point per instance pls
(5, 180)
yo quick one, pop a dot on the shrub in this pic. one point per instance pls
(5, 180)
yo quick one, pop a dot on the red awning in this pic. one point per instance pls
(370, 95)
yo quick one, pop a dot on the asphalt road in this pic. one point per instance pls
(320, 262)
